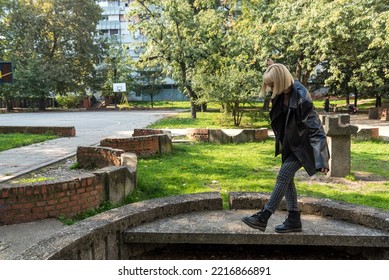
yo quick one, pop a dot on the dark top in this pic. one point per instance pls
(287, 153)
(298, 131)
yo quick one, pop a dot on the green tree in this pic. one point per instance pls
(60, 34)
(149, 80)
(348, 38)
(172, 31)
(230, 73)
(116, 67)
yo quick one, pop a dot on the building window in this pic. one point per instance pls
(114, 32)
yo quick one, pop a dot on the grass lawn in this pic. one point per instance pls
(15, 140)
(203, 167)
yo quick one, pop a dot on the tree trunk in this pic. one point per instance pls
(10, 105)
(193, 111)
(355, 97)
(191, 93)
(42, 104)
(193, 98)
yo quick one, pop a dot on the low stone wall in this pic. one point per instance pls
(60, 131)
(145, 132)
(50, 199)
(100, 237)
(142, 146)
(221, 136)
(365, 134)
(357, 214)
(379, 113)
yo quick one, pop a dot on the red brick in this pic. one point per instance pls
(17, 206)
(36, 210)
(64, 199)
(54, 213)
(40, 216)
(60, 194)
(95, 192)
(25, 211)
(43, 189)
(76, 208)
(28, 205)
(19, 218)
(50, 208)
(72, 203)
(67, 211)
(5, 207)
(81, 190)
(40, 203)
(4, 193)
(61, 206)
(52, 202)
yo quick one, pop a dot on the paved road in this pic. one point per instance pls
(91, 127)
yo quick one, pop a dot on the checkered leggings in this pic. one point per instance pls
(285, 187)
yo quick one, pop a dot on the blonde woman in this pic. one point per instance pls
(299, 138)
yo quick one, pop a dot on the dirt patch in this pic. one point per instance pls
(360, 179)
(58, 171)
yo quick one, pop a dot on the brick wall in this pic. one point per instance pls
(199, 134)
(97, 157)
(60, 131)
(142, 146)
(144, 132)
(261, 134)
(26, 203)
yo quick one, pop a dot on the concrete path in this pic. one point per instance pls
(226, 227)
(91, 127)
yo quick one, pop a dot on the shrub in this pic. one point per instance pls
(69, 101)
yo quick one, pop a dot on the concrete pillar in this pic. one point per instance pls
(339, 131)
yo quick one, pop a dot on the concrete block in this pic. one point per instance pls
(219, 136)
(118, 182)
(247, 135)
(366, 134)
(130, 160)
(165, 144)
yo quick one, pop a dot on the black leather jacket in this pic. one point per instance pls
(303, 129)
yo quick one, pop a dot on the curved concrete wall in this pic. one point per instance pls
(99, 237)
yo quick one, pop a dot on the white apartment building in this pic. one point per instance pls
(114, 23)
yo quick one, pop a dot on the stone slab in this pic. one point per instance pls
(226, 227)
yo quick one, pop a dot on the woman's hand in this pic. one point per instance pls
(324, 170)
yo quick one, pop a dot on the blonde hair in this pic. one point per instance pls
(278, 75)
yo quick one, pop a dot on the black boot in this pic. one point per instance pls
(258, 220)
(291, 224)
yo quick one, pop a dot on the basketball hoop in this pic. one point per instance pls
(119, 87)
